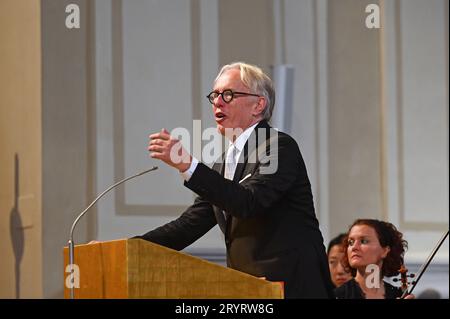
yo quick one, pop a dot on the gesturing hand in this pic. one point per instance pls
(169, 150)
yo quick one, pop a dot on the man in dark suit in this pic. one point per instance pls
(260, 195)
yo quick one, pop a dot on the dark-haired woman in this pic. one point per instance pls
(374, 250)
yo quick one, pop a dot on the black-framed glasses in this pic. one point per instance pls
(227, 95)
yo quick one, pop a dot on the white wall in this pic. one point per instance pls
(156, 92)
(303, 41)
(416, 81)
(416, 128)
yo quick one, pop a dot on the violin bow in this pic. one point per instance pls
(425, 265)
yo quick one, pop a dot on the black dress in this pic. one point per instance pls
(352, 290)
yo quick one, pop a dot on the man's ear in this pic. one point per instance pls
(260, 106)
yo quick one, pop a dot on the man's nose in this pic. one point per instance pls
(218, 101)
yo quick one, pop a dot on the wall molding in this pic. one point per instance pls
(404, 224)
(121, 207)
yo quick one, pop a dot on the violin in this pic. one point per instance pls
(404, 271)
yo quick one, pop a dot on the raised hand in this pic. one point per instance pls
(164, 147)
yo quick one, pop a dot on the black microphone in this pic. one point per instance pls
(71, 242)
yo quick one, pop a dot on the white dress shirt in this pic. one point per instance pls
(235, 147)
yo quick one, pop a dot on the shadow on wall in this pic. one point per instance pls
(16, 228)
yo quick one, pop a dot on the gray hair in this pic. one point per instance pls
(257, 81)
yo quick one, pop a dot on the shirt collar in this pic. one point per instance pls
(242, 139)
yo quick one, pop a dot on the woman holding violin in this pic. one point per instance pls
(374, 250)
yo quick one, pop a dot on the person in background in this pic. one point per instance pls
(335, 252)
(374, 250)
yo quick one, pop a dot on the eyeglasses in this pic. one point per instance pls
(227, 95)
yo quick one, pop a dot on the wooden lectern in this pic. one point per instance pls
(135, 268)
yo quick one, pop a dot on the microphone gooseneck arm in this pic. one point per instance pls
(71, 242)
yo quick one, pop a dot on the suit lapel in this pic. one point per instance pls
(220, 167)
(240, 167)
(249, 148)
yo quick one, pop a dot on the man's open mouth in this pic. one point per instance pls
(220, 116)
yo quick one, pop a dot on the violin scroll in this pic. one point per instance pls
(404, 278)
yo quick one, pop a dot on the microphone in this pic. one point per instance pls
(71, 243)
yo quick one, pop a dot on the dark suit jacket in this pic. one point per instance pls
(271, 229)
